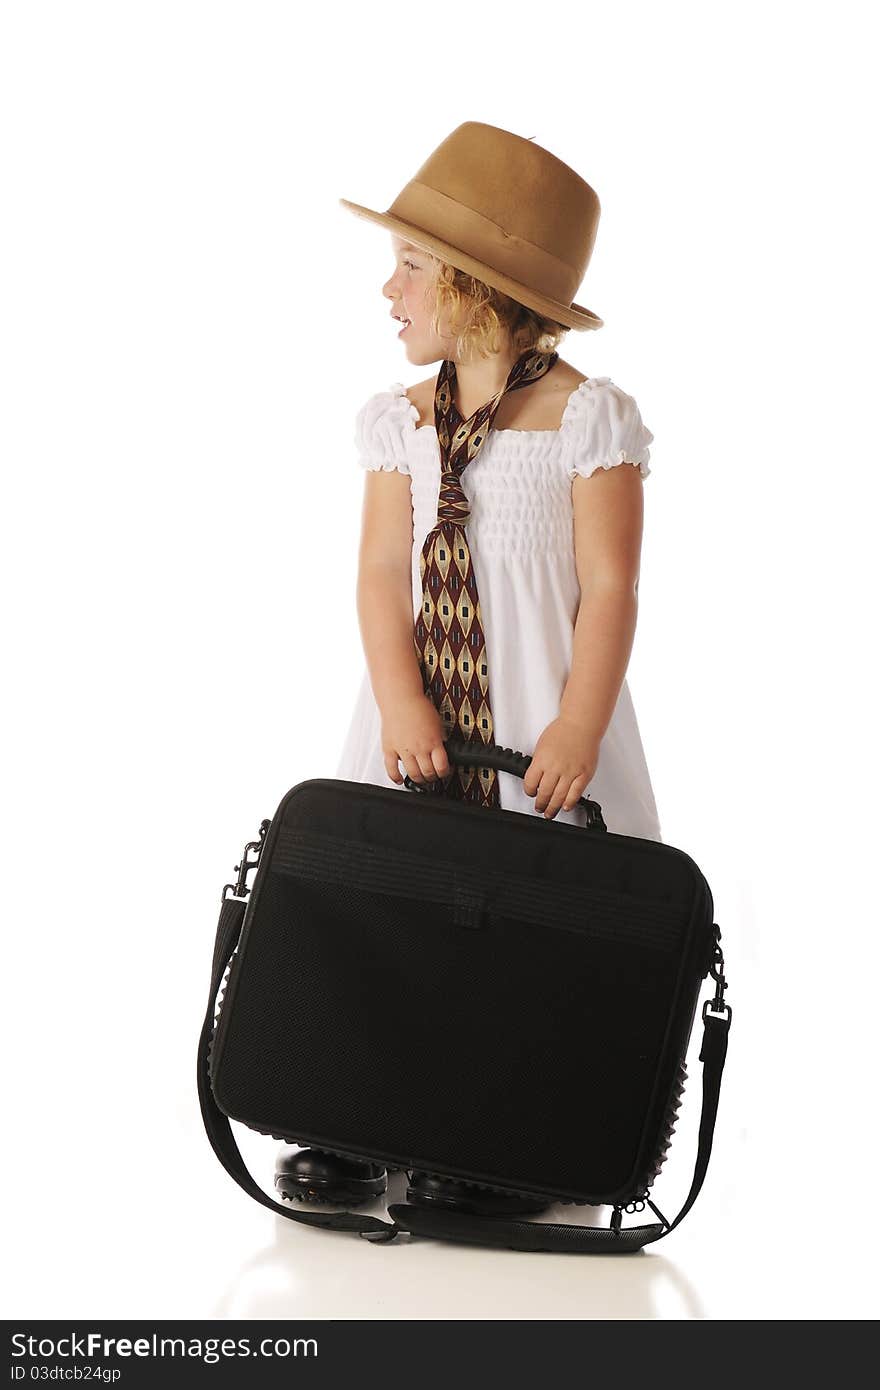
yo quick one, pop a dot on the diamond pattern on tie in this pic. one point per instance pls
(448, 635)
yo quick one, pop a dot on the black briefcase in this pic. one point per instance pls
(482, 994)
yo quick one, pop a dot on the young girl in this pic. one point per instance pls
(499, 555)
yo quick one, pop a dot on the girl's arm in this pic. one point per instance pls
(384, 588)
(608, 540)
(412, 730)
(608, 522)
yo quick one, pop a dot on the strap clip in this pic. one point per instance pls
(381, 1237)
(716, 970)
(240, 888)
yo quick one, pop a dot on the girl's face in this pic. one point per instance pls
(411, 292)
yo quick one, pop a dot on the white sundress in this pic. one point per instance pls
(521, 538)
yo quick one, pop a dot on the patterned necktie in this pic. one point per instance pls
(448, 634)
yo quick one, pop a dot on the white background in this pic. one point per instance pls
(189, 324)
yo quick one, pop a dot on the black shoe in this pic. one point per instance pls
(429, 1190)
(313, 1175)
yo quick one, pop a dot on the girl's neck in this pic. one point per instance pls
(481, 379)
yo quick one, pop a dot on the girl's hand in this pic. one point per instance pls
(564, 761)
(413, 733)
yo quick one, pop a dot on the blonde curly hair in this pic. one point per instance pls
(481, 318)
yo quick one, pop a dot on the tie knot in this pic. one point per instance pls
(452, 504)
(459, 513)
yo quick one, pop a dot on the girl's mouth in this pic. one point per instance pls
(407, 325)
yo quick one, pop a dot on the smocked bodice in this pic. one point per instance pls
(519, 485)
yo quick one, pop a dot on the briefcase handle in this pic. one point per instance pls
(460, 751)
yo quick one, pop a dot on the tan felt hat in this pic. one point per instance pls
(506, 211)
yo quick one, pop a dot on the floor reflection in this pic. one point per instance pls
(313, 1273)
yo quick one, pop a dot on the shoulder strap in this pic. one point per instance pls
(453, 1225)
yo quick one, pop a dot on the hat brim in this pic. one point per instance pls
(571, 315)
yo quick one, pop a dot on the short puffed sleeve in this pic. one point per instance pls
(383, 426)
(601, 426)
